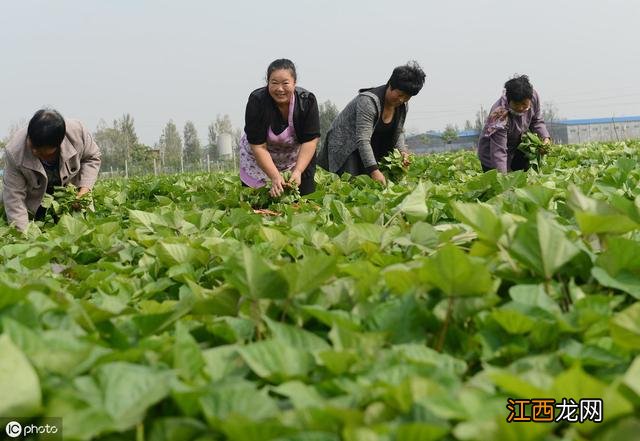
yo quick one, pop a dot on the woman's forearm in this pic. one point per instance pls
(307, 151)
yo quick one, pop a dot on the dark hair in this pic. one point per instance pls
(519, 89)
(46, 128)
(282, 63)
(408, 78)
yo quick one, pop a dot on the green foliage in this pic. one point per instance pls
(65, 200)
(174, 311)
(533, 148)
(393, 166)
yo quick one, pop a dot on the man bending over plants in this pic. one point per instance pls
(50, 152)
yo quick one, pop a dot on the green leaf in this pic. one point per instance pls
(632, 376)
(300, 394)
(172, 254)
(513, 321)
(543, 246)
(187, 358)
(624, 281)
(595, 216)
(456, 274)
(223, 362)
(414, 205)
(176, 429)
(19, 382)
(309, 273)
(534, 295)
(625, 327)
(481, 217)
(130, 389)
(236, 399)
(296, 337)
(254, 277)
(420, 432)
(276, 360)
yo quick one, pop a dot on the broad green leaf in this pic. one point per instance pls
(421, 354)
(146, 219)
(624, 281)
(456, 274)
(241, 428)
(176, 429)
(513, 321)
(130, 389)
(277, 361)
(625, 327)
(414, 205)
(420, 432)
(632, 376)
(595, 216)
(224, 361)
(542, 246)
(398, 318)
(577, 384)
(187, 358)
(355, 236)
(296, 337)
(19, 383)
(172, 254)
(309, 273)
(236, 399)
(300, 394)
(538, 195)
(253, 276)
(481, 217)
(534, 295)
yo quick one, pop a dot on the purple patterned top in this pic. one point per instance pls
(283, 148)
(503, 131)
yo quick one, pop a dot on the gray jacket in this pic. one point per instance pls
(352, 130)
(25, 180)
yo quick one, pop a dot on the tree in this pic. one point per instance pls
(128, 137)
(481, 118)
(468, 125)
(170, 145)
(550, 112)
(117, 142)
(328, 112)
(450, 134)
(192, 150)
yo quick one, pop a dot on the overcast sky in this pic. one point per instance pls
(191, 60)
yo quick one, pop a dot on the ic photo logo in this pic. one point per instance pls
(49, 429)
(13, 429)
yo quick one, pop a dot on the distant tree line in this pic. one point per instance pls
(119, 142)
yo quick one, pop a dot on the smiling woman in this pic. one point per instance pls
(282, 127)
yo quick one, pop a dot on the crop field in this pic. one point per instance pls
(415, 312)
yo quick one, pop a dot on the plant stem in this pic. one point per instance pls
(445, 325)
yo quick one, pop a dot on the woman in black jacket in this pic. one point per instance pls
(281, 132)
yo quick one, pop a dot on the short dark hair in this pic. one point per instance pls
(408, 78)
(46, 128)
(518, 89)
(282, 63)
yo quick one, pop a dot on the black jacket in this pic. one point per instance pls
(262, 112)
